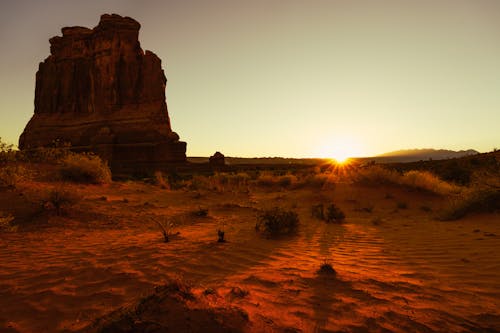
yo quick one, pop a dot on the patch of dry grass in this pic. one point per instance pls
(277, 221)
(421, 180)
(84, 168)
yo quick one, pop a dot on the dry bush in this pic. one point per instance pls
(7, 152)
(13, 173)
(427, 181)
(55, 153)
(6, 223)
(84, 168)
(318, 180)
(421, 180)
(60, 198)
(375, 175)
(268, 179)
(220, 182)
(330, 213)
(326, 269)
(198, 182)
(161, 181)
(473, 201)
(277, 221)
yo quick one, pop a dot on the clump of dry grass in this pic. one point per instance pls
(161, 181)
(6, 223)
(427, 181)
(277, 221)
(166, 228)
(421, 180)
(326, 269)
(268, 179)
(472, 201)
(12, 174)
(220, 182)
(330, 213)
(84, 168)
(60, 198)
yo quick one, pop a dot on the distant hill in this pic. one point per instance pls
(411, 155)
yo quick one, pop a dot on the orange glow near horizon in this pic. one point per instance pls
(341, 149)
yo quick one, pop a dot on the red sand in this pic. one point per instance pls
(405, 272)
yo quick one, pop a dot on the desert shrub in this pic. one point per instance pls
(475, 200)
(84, 168)
(401, 205)
(318, 211)
(54, 153)
(12, 173)
(319, 180)
(331, 213)
(421, 180)
(7, 152)
(427, 181)
(200, 212)
(60, 198)
(176, 181)
(376, 175)
(267, 179)
(277, 221)
(198, 182)
(166, 227)
(6, 223)
(326, 269)
(160, 180)
(229, 181)
(334, 214)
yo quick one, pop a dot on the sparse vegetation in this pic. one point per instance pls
(201, 212)
(401, 205)
(60, 198)
(6, 223)
(326, 269)
(277, 221)
(166, 228)
(268, 179)
(13, 173)
(415, 179)
(331, 213)
(161, 181)
(84, 168)
(474, 201)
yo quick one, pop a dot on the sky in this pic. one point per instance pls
(291, 78)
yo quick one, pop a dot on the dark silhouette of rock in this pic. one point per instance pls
(217, 159)
(99, 91)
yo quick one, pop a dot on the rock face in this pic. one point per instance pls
(99, 91)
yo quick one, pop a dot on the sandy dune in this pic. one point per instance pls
(398, 269)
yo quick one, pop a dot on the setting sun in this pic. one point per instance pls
(341, 149)
(341, 156)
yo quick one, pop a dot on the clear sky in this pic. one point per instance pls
(292, 78)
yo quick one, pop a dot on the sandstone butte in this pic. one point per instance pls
(100, 92)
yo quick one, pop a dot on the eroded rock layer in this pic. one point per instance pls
(99, 91)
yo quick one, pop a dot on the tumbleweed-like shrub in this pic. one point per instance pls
(84, 168)
(277, 221)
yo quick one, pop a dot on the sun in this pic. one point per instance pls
(341, 150)
(340, 157)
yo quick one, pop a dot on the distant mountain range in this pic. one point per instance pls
(411, 155)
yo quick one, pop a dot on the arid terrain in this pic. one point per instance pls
(398, 267)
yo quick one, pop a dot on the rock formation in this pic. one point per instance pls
(217, 159)
(99, 91)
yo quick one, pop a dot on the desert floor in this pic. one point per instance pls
(398, 269)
